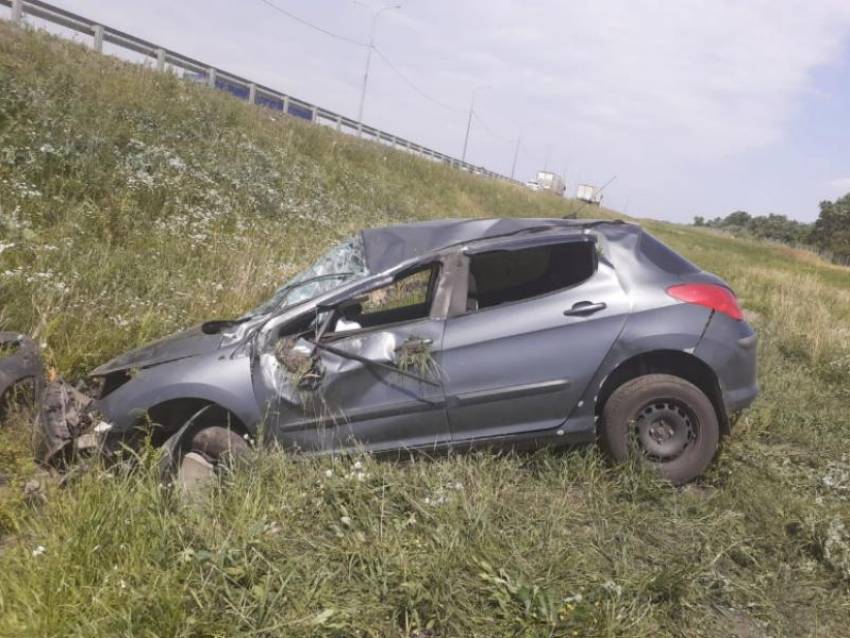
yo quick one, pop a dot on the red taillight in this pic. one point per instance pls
(709, 295)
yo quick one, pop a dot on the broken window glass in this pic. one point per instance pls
(343, 263)
(408, 291)
(408, 298)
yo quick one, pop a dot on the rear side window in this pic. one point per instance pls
(665, 258)
(513, 275)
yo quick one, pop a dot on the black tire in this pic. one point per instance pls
(668, 421)
(218, 443)
(210, 447)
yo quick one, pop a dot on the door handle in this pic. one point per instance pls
(583, 308)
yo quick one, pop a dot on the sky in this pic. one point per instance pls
(697, 107)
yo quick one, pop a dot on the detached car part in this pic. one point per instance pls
(19, 367)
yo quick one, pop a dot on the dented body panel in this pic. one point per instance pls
(222, 377)
(359, 405)
(410, 349)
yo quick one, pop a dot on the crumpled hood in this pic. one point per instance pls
(180, 345)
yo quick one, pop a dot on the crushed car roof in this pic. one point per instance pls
(389, 246)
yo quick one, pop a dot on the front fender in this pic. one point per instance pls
(215, 378)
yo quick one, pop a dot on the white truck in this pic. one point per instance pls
(552, 182)
(589, 194)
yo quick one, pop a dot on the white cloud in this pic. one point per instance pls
(841, 184)
(695, 78)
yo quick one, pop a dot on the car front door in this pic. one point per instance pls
(376, 384)
(540, 320)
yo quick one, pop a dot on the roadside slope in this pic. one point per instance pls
(133, 204)
(122, 190)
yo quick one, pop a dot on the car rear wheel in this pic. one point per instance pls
(668, 421)
(205, 453)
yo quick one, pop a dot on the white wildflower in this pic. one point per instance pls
(38, 551)
(612, 587)
(329, 473)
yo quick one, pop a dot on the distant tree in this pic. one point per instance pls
(699, 221)
(832, 229)
(739, 218)
(772, 226)
(780, 228)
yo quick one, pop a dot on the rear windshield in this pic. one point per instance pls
(665, 258)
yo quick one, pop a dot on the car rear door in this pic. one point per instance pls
(521, 361)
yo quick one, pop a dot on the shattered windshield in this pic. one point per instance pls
(343, 263)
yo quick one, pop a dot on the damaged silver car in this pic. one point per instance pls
(444, 334)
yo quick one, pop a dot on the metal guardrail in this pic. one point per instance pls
(234, 84)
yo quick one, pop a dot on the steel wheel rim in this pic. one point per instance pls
(664, 429)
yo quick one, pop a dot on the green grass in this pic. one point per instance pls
(138, 204)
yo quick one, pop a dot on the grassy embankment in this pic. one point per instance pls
(132, 204)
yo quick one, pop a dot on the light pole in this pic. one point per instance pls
(469, 121)
(516, 154)
(369, 59)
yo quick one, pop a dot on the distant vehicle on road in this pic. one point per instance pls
(551, 182)
(589, 194)
(533, 185)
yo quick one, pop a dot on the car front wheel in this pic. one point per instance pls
(668, 421)
(200, 458)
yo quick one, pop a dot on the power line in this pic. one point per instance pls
(491, 131)
(529, 156)
(412, 85)
(395, 70)
(343, 38)
(387, 61)
(315, 27)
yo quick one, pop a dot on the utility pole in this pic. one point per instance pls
(17, 12)
(469, 121)
(369, 59)
(516, 154)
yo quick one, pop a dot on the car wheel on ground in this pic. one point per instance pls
(667, 420)
(199, 459)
